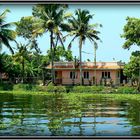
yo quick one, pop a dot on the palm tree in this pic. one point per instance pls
(81, 29)
(2, 66)
(53, 17)
(6, 34)
(21, 57)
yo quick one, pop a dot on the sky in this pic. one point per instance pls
(111, 16)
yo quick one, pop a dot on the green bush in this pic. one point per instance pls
(29, 87)
(126, 89)
(86, 89)
(23, 87)
(56, 89)
(60, 89)
(6, 86)
(40, 88)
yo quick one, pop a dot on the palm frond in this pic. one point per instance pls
(5, 41)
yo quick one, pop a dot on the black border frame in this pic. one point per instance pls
(70, 1)
(102, 2)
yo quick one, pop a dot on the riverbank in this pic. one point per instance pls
(111, 96)
(68, 89)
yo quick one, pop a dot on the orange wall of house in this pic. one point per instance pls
(66, 76)
(113, 75)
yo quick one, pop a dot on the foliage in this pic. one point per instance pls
(131, 69)
(6, 34)
(8, 66)
(29, 27)
(56, 89)
(80, 27)
(52, 16)
(60, 54)
(6, 86)
(131, 35)
(126, 89)
(131, 32)
(29, 87)
(86, 89)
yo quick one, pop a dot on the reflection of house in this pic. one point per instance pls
(68, 73)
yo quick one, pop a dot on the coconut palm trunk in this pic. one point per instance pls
(139, 80)
(80, 66)
(95, 74)
(95, 65)
(52, 60)
(23, 69)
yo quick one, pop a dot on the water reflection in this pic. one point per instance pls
(56, 115)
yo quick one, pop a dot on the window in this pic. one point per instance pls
(56, 74)
(103, 74)
(86, 75)
(118, 74)
(73, 75)
(106, 74)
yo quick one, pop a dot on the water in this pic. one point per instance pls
(56, 115)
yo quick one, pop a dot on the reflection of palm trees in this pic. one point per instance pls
(1, 110)
(80, 123)
(94, 127)
(56, 114)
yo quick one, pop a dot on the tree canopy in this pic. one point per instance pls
(131, 32)
(131, 69)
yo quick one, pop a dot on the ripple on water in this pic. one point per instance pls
(57, 116)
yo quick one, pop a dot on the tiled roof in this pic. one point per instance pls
(87, 65)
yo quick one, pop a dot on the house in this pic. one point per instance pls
(103, 73)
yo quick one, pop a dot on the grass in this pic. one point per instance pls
(25, 92)
(71, 92)
(111, 96)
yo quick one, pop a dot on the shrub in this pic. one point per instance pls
(23, 87)
(60, 89)
(6, 86)
(126, 89)
(86, 89)
(52, 88)
(29, 87)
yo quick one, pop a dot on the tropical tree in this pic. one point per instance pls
(131, 69)
(61, 54)
(8, 67)
(6, 34)
(29, 28)
(21, 57)
(2, 66)
(53, 21)
(81, 29)
(132, 36)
